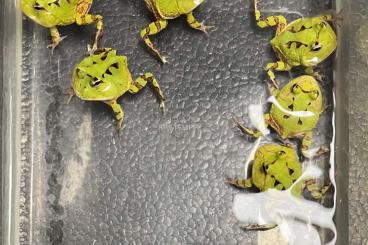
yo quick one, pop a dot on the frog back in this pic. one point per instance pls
(170, 9)
(294, 43)
(290, 126)
(275, 166)
(102, 77)
(49, 14)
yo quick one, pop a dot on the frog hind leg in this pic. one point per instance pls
(315, 190)
(279, 21)
(307, 142)
(278, 66)
(257, 227)
(152, 29)
(239, 183)
(119, 113)
(55, 38)
(83, 18)
(141, 82)
(195, 24)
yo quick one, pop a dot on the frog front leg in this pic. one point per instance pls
(195, 24)
(278, 66)
(141, 82)
(307, 142)
(83, 18)
(311, 72)
(119, 113)
(55, 38)
(279, 21)
(239, 183)
(251, 132)
(152, 29)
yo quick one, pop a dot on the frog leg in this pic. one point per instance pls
(55, 38)
(152, 29)
(119, 113)
(141, 82)
(307, 142)
(252, 132)
(278, 66)
(257, 227)
(247, 131)
(195, 24)
(311, 72)
(239, 183)
(335, 18)
(279, 20)
(315, 190)
(83, 18)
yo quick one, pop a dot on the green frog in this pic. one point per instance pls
(104, 76)
(304, 42)
(54, 13)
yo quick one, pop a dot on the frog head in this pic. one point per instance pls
(275, 166)
(323, 45)
(306, 85)
(99, 76)
(38, 11)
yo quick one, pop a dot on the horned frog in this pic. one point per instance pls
(165, 10)
(304, 42)
(301, 94)
(277, 167)
(104, 76)
(54, 13)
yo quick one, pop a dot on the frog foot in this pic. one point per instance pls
(164, 59)
(71, 94)
(318, 76)
(337, 18)
(92, 50)
(55, 43)
(206, 29)
(119, 125)
(162, 106)
(257, 227)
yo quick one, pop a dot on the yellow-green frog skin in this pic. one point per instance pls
(304, 42)
(277, 167)
(300, 94)
(165, 10)
(54, 13)
(104, 76)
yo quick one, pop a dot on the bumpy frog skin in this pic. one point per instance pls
(165, 10)
(105, 77)
(300, 94)
(277, 167)
(53, 13)
(304, 42)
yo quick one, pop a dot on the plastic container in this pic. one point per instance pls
(68, 179)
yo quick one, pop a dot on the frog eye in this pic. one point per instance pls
(37, 6)
(322, 24)
(314, 94)
(282, 154)
(95, 82)
(316, 46)
(296, 89)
